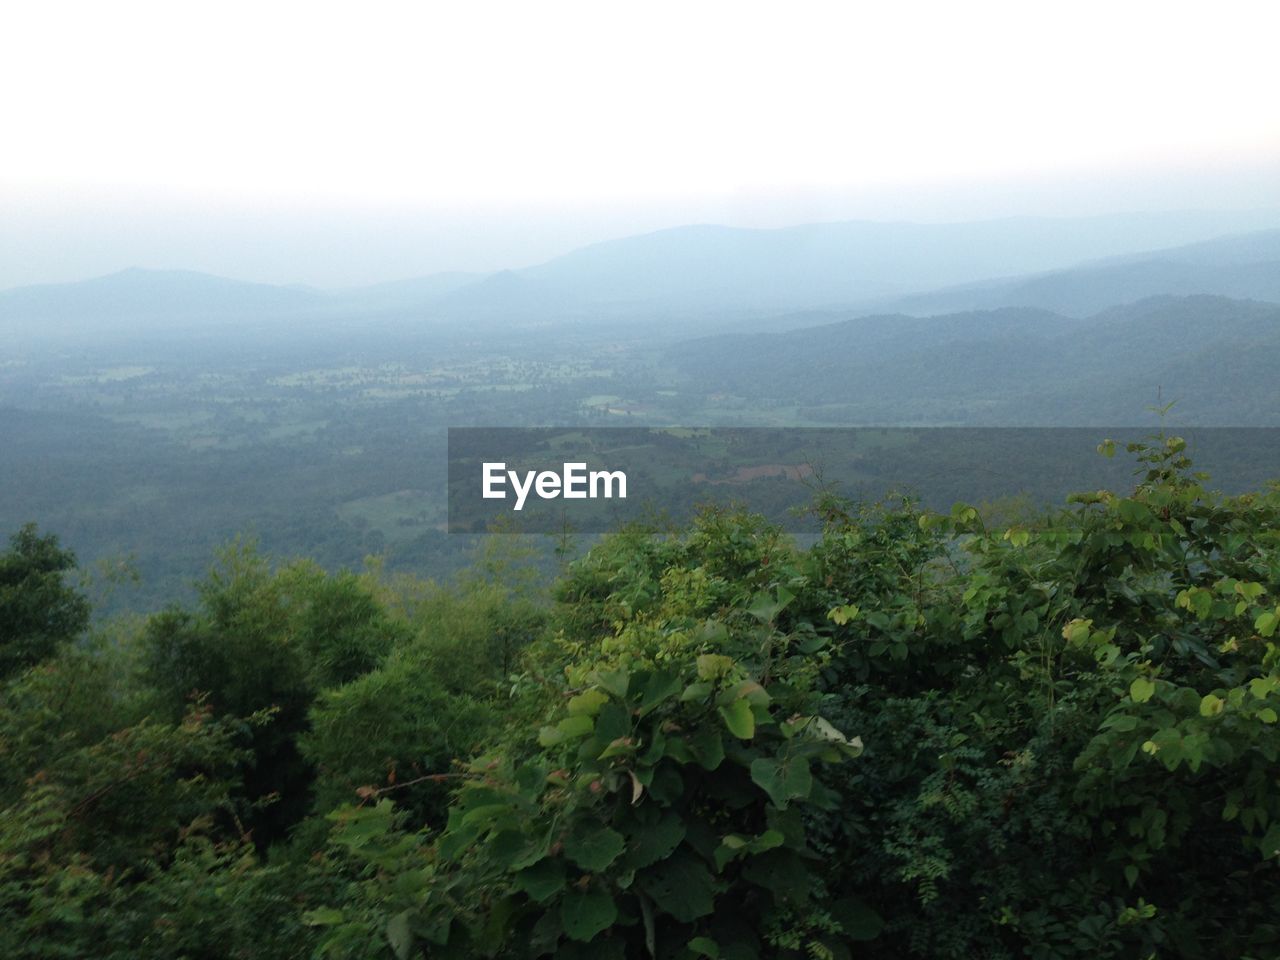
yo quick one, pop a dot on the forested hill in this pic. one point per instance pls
(1011, 365)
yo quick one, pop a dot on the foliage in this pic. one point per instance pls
(38, 611)
(265, 639)
(925, 735)
(667, 782)
(437, 697)
(1065, 724)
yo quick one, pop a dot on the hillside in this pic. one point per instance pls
(822, 264)
(1244, 267)
(149, 295)
(1010, 365)
(718, 278)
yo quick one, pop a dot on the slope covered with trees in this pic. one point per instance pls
(923, 736)
(1011, 365)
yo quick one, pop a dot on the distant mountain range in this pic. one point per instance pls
(836, 264)
(1246, 267)
(137, 300)
(721, 276)
(1015, 365)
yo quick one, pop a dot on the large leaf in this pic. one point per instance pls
(682, 887)
(707, 747)
(764, 607)
(515, 850)
(542, 880)
(588, 703)
(713, 666)
(1141, 689)
(585, 913)
(658, 687)
(400, 935)
(783, 782)
(739, 719)
(650, 842)
(594, 848)
(573, 727)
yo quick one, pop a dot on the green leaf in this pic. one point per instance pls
(682, 887)
(696, 691)
(1077, 631)
(739, 719)
(588, 703)
(617, 748)
(613, 721)
(705, 947)
(1141, 690)
(811, 645)
(843, 614)
(707, 747)
(594, 848)
(767, 841)
(614, 682)
(1210, 705)
(659, 687)
(713, 666)
(752, 692)
(1260, 687)
(486, 815)
(1270, 843)
(764, 607)
(1121, 723)
(1266, 623)
(514, 850)
(585, 914)
(400, 935)
(570, 728)
(542, 880)
(783, 782)
(735, 845)
(651, 842)
(323, 917)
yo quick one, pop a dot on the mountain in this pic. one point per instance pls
(724, 276)
(1024, 366)
(825, 264)
(146, 299)
(1245, 266)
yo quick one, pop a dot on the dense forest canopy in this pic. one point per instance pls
(924, 735)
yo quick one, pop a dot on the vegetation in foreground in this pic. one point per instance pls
(921, 737)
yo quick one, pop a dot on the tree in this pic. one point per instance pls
(38, 611)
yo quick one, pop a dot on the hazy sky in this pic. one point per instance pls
(340, 143)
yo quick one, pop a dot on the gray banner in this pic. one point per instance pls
(591, 480)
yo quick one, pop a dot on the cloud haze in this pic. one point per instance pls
(299, 143)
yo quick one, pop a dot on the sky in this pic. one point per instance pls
(335, 144)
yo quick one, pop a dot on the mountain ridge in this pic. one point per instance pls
(717, 274)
